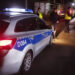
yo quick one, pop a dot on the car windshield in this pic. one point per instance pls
(3, 26)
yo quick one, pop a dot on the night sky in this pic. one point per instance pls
(21, 3)
(11, 3)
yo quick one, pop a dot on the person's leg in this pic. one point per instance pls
(55, 30)
(67, 25)
(53, 27)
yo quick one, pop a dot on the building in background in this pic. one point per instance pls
(44, 6)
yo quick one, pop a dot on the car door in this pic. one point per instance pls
(41, 38)
(24, 31)
(30, 33)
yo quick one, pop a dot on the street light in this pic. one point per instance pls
(73, 4)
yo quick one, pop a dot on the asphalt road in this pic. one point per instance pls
(58, 59)
(55, 60)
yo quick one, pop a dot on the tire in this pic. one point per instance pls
(26, 65)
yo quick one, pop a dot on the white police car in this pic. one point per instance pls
(22, 37)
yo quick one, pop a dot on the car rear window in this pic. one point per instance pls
(3, 26)
(27, 24)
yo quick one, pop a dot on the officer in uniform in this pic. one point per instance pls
(68, 17)
(39, 14)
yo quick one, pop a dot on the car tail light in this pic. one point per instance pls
(6, 44)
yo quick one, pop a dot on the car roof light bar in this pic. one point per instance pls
(18, 10)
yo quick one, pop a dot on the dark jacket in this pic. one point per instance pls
(54, 17)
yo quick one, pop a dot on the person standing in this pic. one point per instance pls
(68, 17)
(54, 18)
(40, 15)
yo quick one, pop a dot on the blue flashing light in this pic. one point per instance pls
(18, 10)
(29, 10)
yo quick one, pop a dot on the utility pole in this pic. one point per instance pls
(54, 1)
(26, 5)
(62, 1)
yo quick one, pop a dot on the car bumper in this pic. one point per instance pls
(11, 63)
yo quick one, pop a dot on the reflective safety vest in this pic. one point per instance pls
(67, 17)
(40, 15)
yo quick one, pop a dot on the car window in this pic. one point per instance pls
(27, 24)
(41, 24)
(3, 26)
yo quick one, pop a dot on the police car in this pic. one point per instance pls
(22, 37)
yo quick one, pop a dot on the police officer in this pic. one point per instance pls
(39, 14)
(68, 17)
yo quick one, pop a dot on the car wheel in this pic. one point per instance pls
(26, 62)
